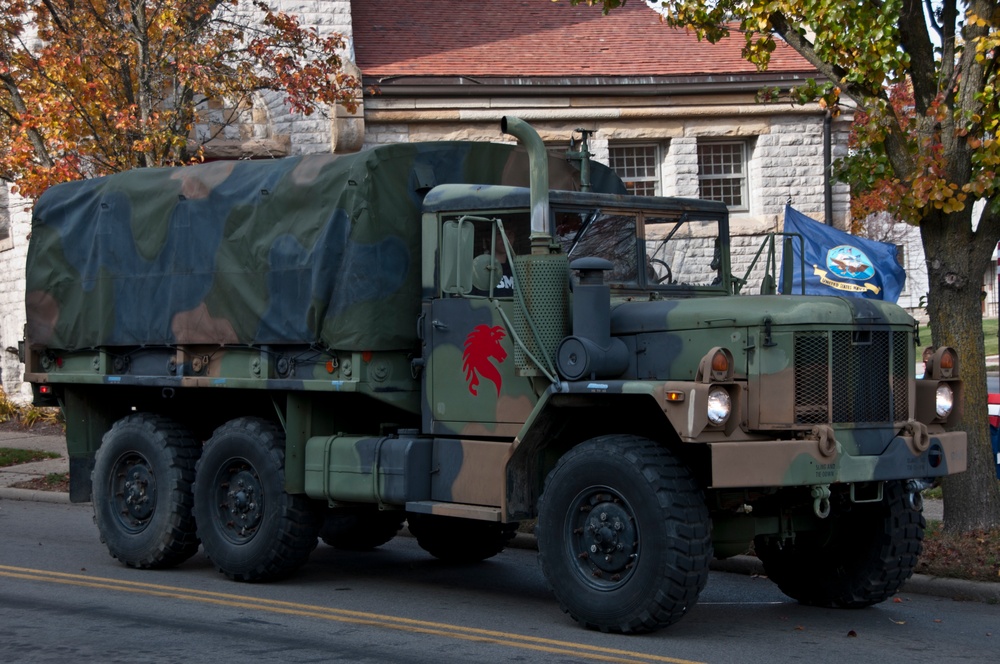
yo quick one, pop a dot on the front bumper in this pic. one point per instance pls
(772, 463)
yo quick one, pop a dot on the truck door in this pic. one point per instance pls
(472, 386)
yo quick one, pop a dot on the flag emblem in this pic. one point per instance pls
(849, 262)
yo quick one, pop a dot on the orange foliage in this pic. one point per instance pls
(89, 87)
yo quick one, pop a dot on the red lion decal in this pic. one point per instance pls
(482, 344)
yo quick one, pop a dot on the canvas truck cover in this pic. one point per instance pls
(320, 249)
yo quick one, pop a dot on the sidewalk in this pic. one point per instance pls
(10, 475)
(918, 583)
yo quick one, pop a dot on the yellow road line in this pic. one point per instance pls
(344, 615)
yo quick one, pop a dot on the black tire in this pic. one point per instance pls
(251, 529)
(142, 482)
(624, 535)
(862, 555)
(361, 529)
(460, 540)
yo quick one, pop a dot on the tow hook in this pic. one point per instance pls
(913, 498)
(821, 500)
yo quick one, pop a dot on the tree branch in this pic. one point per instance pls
(969, 81)
(931, 18)
(916, 41)
(949, 19)
(895, 140)
(807, 50)
(37, 141)
(54, 15)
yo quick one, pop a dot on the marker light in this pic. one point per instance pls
(720, 362)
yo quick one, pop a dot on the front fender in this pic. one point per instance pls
(569, 413)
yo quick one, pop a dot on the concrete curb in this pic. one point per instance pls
(10, 493)
(957, 589)
(921, 584)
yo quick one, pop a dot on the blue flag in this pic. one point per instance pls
(838, 263)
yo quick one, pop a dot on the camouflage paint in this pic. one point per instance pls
(344, 468)
(473, 384)
(320, 249)
(468, 471)
(787, 463)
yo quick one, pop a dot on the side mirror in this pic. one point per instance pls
(486, 272)
(456, 257)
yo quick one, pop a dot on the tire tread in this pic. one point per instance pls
(298, 522)
(179, 541)
(896, 541)
(681, 500)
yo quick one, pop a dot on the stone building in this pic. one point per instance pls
(673, 115)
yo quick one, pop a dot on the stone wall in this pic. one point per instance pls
(269, 128)
(14, 210)
(310, 134)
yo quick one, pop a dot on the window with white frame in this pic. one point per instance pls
(722, 173)
(638, 166)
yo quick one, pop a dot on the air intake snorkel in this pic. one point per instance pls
(591, 352)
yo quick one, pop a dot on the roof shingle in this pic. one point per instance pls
(538, 38)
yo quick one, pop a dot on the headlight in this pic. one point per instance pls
(719, 406)
(944, 401)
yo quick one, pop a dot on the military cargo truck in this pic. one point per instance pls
(252, 356)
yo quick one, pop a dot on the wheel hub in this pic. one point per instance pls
(605, 538)
(242, 506)
(134, 492)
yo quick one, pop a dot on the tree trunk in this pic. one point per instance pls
(956, 262)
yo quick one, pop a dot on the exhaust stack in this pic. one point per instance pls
(542, 226)
(541, 284)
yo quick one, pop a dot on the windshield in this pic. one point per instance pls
(646, 249)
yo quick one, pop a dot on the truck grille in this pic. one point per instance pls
(851, 376)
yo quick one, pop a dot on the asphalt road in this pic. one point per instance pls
(63, 598)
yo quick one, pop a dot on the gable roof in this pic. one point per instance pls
(540, 39)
